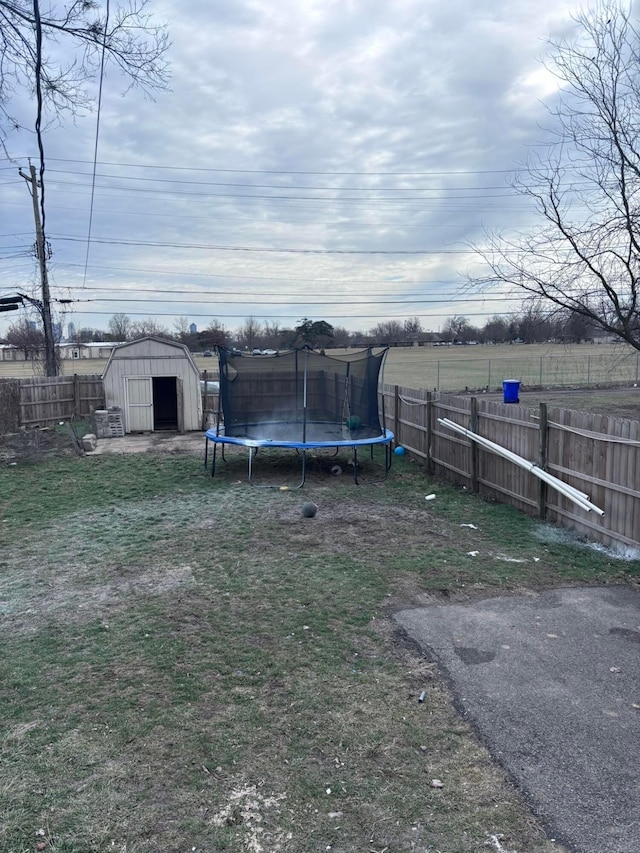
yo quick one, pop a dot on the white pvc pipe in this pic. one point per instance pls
(508, 454)
(570, 492)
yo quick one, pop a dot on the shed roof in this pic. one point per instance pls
(170, 349)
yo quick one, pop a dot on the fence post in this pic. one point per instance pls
(76, 394)
(588, 371)
(438, 380)
(396, 414)
(429, 432)
(489, 376)
(473, 449)
(543, 444)
(541, 357)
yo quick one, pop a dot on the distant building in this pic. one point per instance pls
(94, 349)
(32, 325)
(193, 329)
(56, 328)
(71, 331)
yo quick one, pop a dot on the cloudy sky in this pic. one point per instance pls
(329, 159)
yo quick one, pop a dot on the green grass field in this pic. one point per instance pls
(191, 665)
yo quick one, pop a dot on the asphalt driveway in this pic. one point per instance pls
(551, 681)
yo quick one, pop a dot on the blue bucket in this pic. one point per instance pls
(511, 391)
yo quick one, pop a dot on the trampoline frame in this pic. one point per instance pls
(217, 437)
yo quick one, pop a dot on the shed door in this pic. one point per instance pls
(139, 397)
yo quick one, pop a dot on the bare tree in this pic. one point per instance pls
(585, 255)
(390, 331)
(456, 327)
(215, 335)
(497, 329)
(24, 335)
(341, 336)
(148, 326)
(181, 328)
(250, 333)
(120, 327)
(272, 333)
(31, 42)
(412, 328)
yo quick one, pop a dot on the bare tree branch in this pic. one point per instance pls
(584, 257)
(132, 43)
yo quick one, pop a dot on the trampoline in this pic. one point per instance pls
(299, 400)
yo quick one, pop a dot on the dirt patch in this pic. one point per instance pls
(36, 445)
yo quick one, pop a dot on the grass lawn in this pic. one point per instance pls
(191, 665)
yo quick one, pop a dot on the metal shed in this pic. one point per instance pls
(156, 384)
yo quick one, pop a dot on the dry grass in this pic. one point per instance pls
(192, 665)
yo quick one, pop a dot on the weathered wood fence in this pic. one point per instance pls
(41, 401)
(597, 454)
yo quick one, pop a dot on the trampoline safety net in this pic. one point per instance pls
(301, 395)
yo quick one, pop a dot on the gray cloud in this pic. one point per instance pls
(445, 97)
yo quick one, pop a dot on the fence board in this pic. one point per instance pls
(597, 454)
(48, 400)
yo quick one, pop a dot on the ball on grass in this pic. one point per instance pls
(400, 451)
(309, 509)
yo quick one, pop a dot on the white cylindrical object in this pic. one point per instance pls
(570, 492)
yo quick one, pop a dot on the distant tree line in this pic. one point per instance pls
(530, 326)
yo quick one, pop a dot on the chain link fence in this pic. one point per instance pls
(566, 371)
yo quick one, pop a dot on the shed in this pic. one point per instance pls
(156, 384)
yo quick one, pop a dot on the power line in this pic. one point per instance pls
(167, 245)
(296, 172)
(282, 187)
(259, 197)
(292, 315)
(406, 302)
(331, 279)
(95, 150)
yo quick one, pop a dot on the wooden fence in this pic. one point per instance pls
(41, 401)
(597, 454)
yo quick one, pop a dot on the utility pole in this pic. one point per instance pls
(43, 305)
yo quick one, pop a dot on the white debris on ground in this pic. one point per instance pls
(495, 842)
(556, 535)
(472, 526)
(246, 809)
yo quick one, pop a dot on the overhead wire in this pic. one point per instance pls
(97, 137)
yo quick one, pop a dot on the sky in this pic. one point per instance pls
(325, 159)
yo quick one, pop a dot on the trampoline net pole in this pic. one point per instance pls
(304, 397)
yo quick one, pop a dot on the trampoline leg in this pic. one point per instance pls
(271, 485)
(206, 452)
(387, 466)
(213, 460)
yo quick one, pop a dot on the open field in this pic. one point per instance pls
(190, 665)
(575, 376)
(457, 368)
